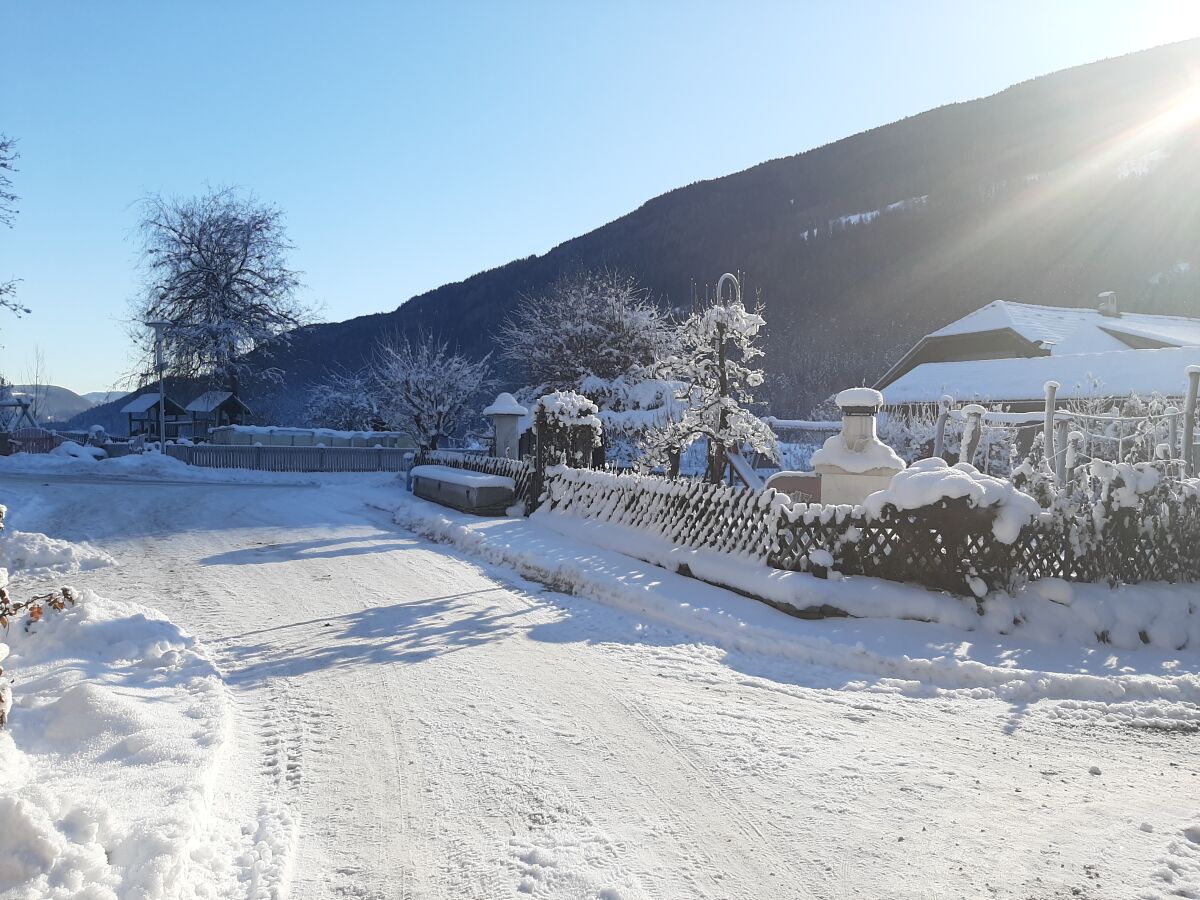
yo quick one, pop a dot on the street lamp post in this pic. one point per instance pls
(160, 327)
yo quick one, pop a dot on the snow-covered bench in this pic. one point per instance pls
(475, 492)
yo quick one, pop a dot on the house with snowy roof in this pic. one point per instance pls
(142, 413)
(214, 409)
(1005, 352)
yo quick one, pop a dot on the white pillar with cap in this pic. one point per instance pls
(856, 462)
(506, 414)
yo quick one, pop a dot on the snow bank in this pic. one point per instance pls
(597, 560)
(109, 760)
(34, 554)
(138, 467)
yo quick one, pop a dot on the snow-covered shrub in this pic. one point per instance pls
(568, 427)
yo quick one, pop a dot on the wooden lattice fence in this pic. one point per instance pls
(949, 545)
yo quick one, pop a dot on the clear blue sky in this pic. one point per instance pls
(411, 145)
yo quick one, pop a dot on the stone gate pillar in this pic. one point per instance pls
(856, 462)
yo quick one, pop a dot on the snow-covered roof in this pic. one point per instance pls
(1070, 330)
(505, 405)
(1116, 373)
(141, 403)
(210, 400)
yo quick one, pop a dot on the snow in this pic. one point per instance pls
(505, 404)
(519, 708)
(929, 481)
(141, 403)
(570, 409)
(859, 396)
(210, 400)
(865, 456)
(1143, 165)
(463, 477)
(76, 451)
(1073, 330)
(110, 753)
(1083, 376)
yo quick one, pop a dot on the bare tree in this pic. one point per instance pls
(424, 388)
(8, 212)
(37, 384)
(348, 401)
(588, 324)
(216, 271)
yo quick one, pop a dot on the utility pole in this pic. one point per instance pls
(160, 327)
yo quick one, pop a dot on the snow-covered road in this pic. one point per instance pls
(412, 723)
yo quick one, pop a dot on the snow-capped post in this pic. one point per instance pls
(1062, 431)
(856, 462)
(972, 432)
(1189, 420)
(1051, 389)
(716, 457)
(1172, 414)
(939, 437)
(505, 413)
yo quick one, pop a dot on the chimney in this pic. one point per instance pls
(1108, 304)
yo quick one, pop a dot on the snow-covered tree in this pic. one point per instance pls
(347, 401)
(717, 347)
(598, 324)
(216, 271)
(425, 388)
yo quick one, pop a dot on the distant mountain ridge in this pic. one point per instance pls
(51, 403)
(1050, 191)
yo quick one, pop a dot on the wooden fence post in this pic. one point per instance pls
(1061, 427)
(1172, 414)
(939, 437)
(1189, 420)
(1051, 389)
(972, 432)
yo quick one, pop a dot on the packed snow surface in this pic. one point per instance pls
(866, 455)
(410, 716)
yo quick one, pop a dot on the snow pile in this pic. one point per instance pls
(77, 451)
(866, 455)
(109, 759)
(928, 482)
(35, 554)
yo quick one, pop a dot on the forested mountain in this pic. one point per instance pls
(1050, 191)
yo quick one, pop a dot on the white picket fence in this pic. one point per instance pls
(293, 459)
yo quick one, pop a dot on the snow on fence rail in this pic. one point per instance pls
(293, 459)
